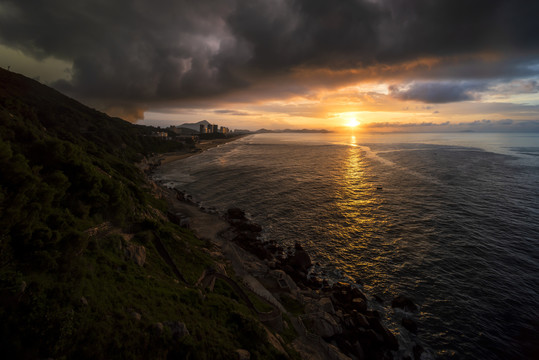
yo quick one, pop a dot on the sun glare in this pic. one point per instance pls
(353, 122)
(349, 119)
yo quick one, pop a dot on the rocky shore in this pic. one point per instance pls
(331, 321)
(336, 314)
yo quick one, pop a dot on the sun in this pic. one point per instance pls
(348, 119)
(353, 122)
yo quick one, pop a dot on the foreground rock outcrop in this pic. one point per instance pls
(337, 315)
(331, 321)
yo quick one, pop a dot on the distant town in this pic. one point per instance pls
(205, 130)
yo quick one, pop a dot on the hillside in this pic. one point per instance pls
(83, 239)
(194, 126)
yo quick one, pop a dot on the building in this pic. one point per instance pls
(160, 134)
(213, 129)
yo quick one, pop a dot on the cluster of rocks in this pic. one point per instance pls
(134, 252)
(336, 313)
(176, 328)
(149, 164)
(340, 315)
(245, 233)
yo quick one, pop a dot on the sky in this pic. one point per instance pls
(387, 65)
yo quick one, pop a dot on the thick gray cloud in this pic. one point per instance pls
(126, 52)
(142, 53)
(438, 93)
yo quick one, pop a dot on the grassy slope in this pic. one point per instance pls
(65, 293)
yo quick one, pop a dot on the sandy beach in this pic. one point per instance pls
(203, 145)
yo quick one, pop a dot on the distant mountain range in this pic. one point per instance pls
(314, 131)
(194, 126)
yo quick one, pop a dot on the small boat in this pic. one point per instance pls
(379, 187)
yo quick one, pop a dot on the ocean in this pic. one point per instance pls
(450, 220)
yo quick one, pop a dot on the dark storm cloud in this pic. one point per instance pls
(351, 33)
(126, 53)
(284, 34)
(438, 93)
(452, 27)
(139, 53)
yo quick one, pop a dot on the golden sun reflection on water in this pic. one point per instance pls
(360, 227)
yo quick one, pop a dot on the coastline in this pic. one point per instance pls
(203, 145)
(336, 321)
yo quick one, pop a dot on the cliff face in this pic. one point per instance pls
(81, 275)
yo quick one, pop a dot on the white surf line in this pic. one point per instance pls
(374, 156)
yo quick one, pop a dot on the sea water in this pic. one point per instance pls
(450, 220)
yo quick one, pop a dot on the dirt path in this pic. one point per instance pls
(205, 226)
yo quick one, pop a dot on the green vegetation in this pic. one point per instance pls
(71, 203)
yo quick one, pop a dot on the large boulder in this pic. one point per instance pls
(389, 338)
(322, 305)
(326, 305)
(360, 320)
(404, 303)
(360, 353)
(249, 227)
(342, 286)
(135, 315)
(359, 304)
(137, 253)
(410, 325)
(323, 325)
(235, 214)
(158, 328)
(418, 350)
(342, 294)
(242, 354)
(356, 293)
(177, 328)
(371, 338)
(300, 261)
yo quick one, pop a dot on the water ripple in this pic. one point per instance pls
(451, 225)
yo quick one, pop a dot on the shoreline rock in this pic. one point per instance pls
(405, 303)
(335, 316)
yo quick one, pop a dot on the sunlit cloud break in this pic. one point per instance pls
(270, 62)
